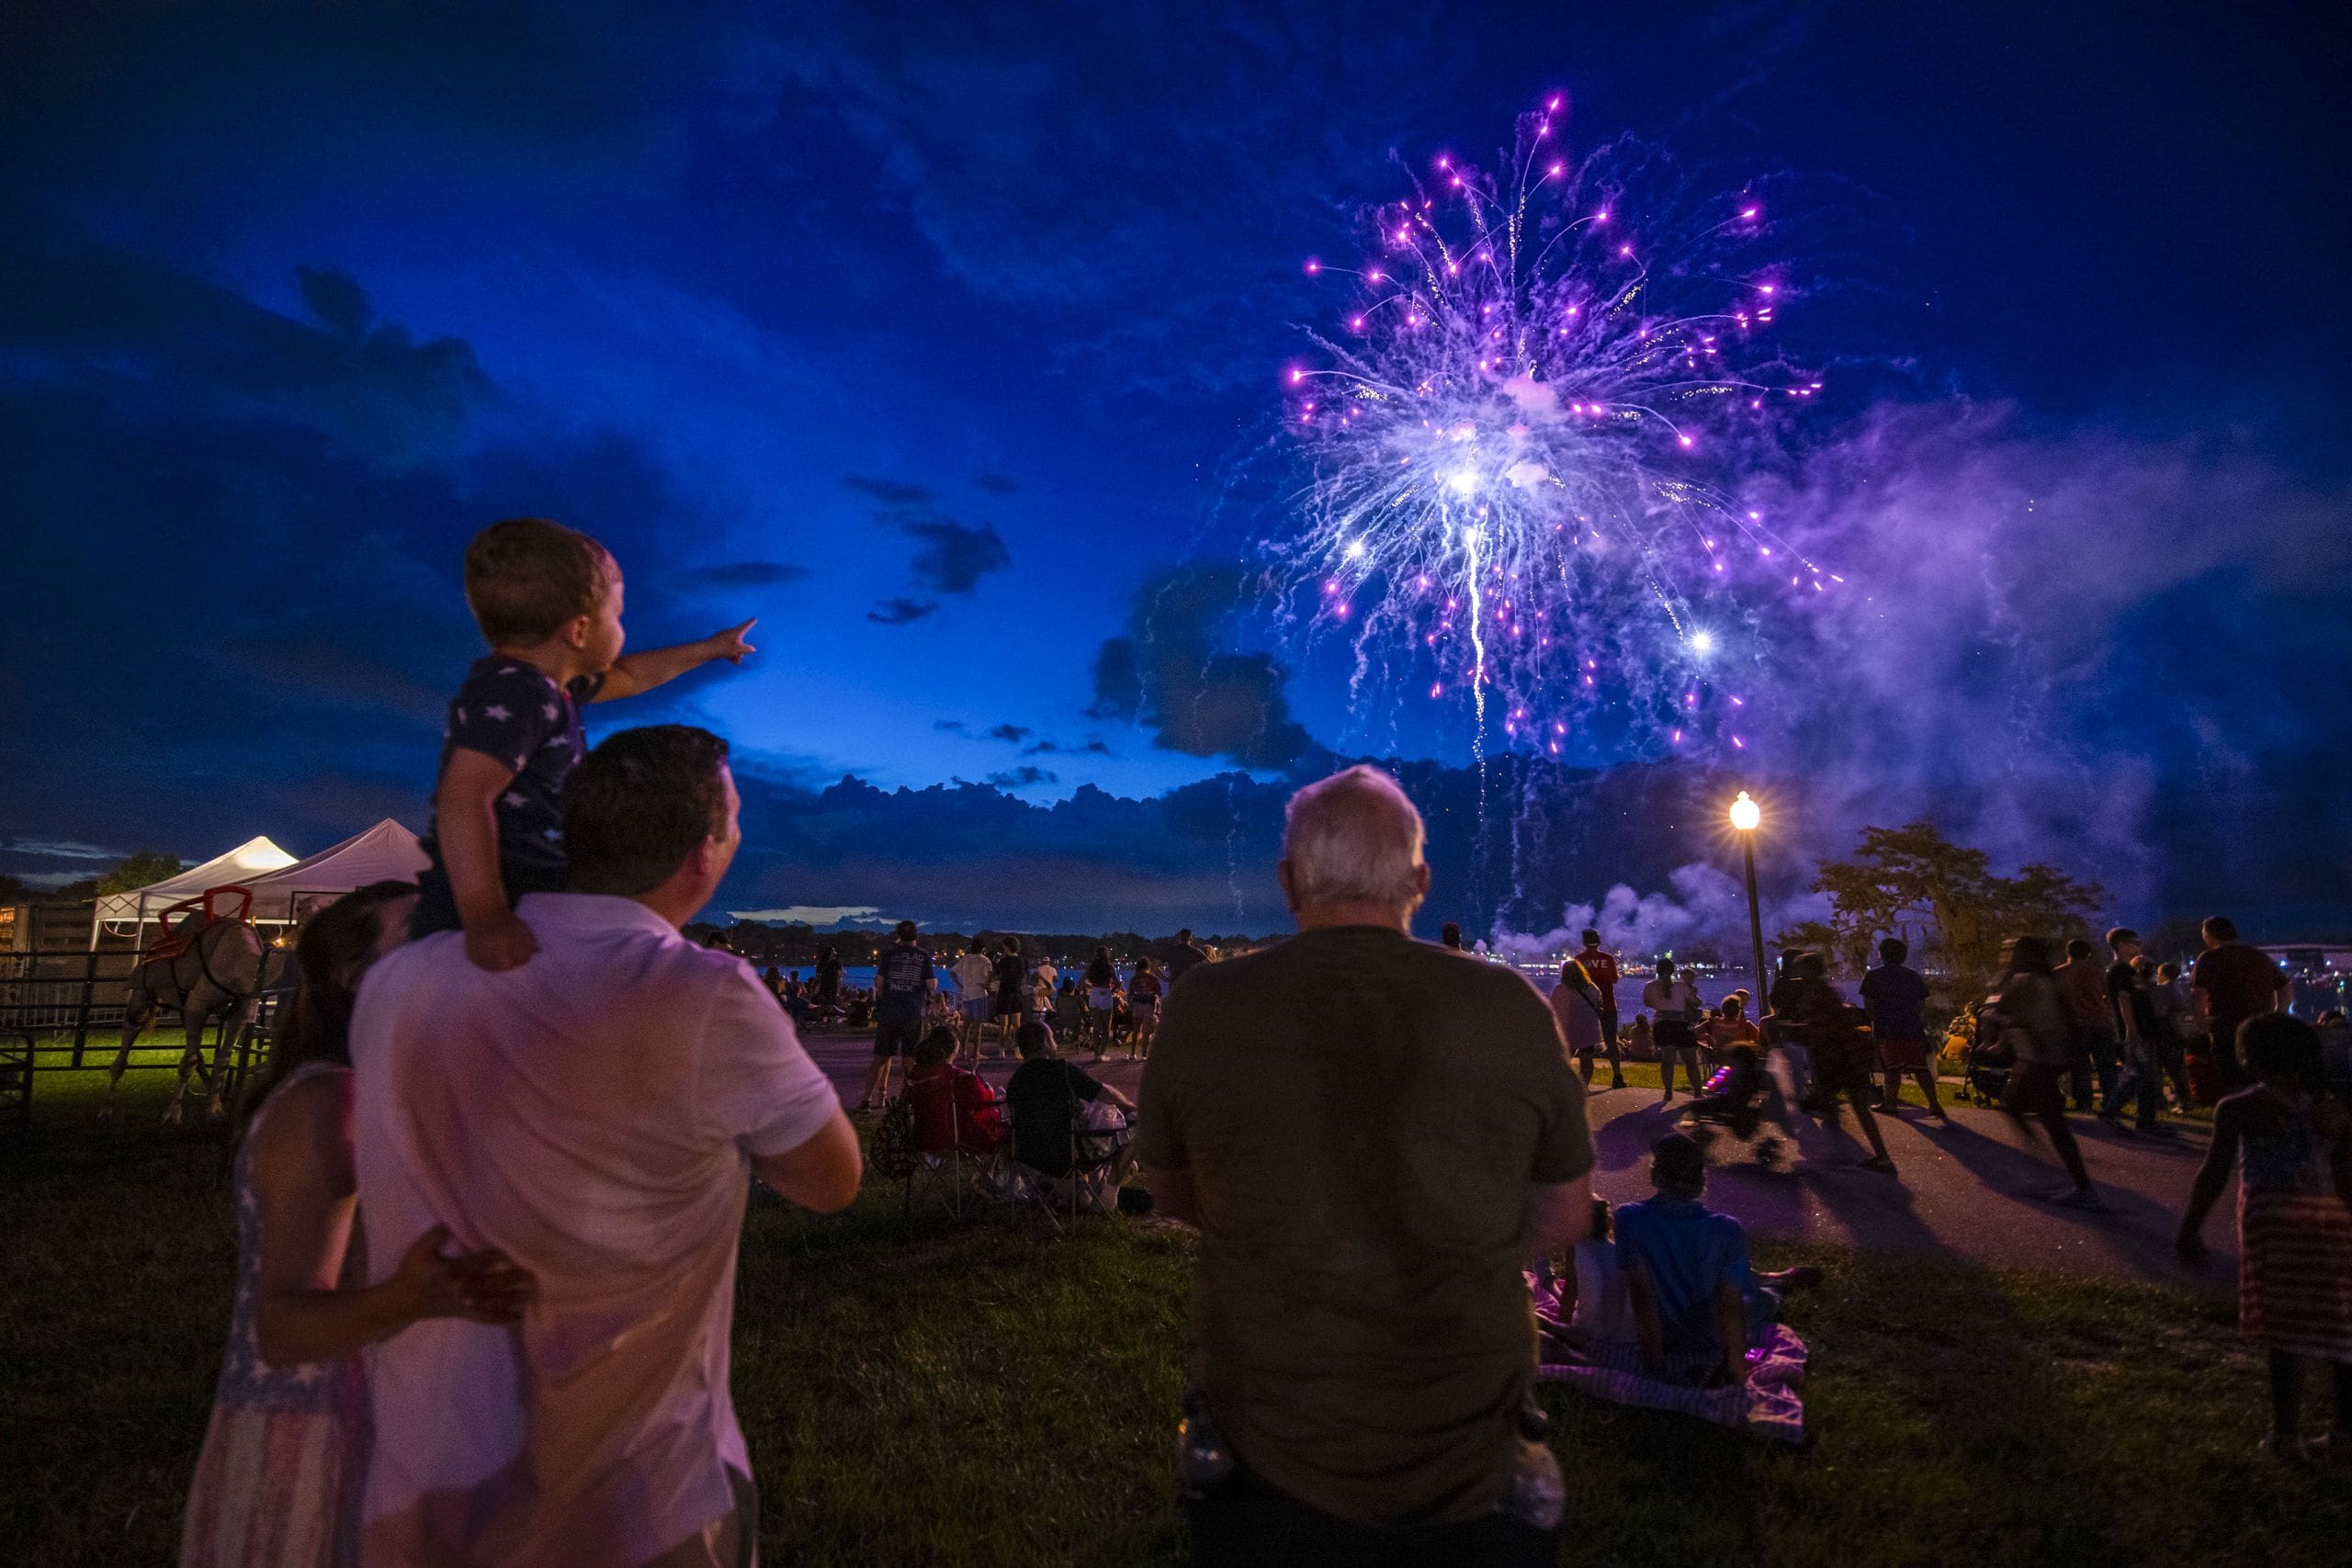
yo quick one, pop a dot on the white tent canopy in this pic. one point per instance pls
(284, 888)
(386, 853)
(256, 857)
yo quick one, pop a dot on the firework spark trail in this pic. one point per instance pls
(1517, 437)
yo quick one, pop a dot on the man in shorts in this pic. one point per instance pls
(903, 982)
(975, 979)
(1895, 997)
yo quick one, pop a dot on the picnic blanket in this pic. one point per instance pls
(1767, 1405)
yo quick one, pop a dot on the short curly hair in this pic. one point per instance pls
(526, 576)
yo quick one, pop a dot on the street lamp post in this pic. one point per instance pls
(1744, 817)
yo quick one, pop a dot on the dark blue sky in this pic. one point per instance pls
(934, 335)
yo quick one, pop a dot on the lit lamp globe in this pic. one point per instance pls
(1746, 814)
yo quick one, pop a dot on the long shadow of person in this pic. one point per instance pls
(1624, 1140)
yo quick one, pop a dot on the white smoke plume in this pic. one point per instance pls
(1706, 908)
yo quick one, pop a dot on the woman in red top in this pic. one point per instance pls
(955, 1109)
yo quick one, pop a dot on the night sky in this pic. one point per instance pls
(946, 340)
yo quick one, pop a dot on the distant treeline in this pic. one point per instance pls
(787, 945)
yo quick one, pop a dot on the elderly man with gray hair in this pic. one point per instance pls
(1374, 1135)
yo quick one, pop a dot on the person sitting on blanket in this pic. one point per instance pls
(1593, 1301)
(1697, 1302)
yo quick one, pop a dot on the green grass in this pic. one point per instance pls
(973, 1392)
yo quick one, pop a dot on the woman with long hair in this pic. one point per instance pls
(2031, 1020)
(285, 1456)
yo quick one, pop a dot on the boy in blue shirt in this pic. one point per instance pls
(1698, 1305)
(547, 598)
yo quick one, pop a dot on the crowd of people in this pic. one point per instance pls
(988, 993)
(492, 1185)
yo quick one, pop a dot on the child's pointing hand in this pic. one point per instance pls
(729, 644)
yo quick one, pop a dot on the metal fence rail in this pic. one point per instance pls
(65, 1011)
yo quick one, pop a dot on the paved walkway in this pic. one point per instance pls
(1968, 1187)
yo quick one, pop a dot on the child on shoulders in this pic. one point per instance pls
(547, 598)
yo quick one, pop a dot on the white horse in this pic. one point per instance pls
(211, 967)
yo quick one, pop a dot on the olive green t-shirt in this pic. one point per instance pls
(1361, 1114)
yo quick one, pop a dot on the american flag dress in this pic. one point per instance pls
(280, 1478)
(2295, 1239)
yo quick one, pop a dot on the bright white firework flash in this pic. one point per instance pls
(1524, 434)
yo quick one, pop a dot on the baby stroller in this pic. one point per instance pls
(1989, 1059)
(1738, 1099)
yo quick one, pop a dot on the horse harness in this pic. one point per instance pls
(169, 947)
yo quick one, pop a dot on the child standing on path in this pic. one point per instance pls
(547, 598)
(2293, 1151)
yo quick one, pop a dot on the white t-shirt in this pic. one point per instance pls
(592, 1112)
(1604, 1308)
(1676, 999)
(974, 975)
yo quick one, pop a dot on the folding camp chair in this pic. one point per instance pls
(1093, 1154)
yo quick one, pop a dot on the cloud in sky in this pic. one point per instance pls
(890, 493)
(974, 853)
(899, 612)
(1173, 674)
(952, 557)
(813, 915)
(223, 370)
(743, 574)
(83, 315)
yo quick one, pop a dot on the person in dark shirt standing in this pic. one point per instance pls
(1374, 1135)
(903, 981)
(1012, 992)
(1896, 998)
(2232, 982)
(2133, 1010)
(828, 980)
(1186, 957)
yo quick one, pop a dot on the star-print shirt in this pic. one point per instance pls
(512, 712)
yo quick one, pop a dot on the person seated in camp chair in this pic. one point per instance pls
(1698, 1305)
(1051, 1101)
(955, 1109)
